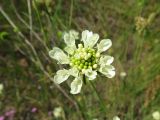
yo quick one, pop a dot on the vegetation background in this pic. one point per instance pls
(30, 28)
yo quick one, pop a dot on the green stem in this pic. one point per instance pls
(102, 104)
(40, 22)
(84, 79)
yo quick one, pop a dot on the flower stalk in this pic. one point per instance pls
(102, 104)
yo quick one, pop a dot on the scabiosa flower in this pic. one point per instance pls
(58, 112)
(116, 118)
(10, 114)
(156, 115)
(34, 109)
(85, 59)
(123, 74)
(2, 117)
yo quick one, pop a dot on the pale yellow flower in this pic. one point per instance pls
(85, 59)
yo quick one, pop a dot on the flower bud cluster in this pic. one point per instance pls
(84, 58)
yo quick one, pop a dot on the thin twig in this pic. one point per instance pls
(71, 14)
(30, 17)
(39, 19)
(29, 27)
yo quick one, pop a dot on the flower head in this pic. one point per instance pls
(10, 113)
(156, 115)
(34, 109)
(2, 117)
(58, 112)
(123, 74)
(116, 118)
(84, 59)
(141, 23)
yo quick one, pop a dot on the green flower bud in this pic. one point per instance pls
(95, 66)
(82, 61)
(93, 54)
(92, 50)
(89, 55)
(96, 60)
(85, 67)
(81, 65)
(93, 62)
(93, 58)
(83, 50)
(86, 63)
(79, 61)
(76, 63)
(82, 56)
(97, 55)
(90, 63)
(71, 64)
(76, 66)
(84, 53)
(86, 58)
(89, 67)
(80, 45)
(83, 71)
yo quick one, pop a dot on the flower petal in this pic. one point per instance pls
(76, 86)
(74, 34)
(90, 74)
(85, 35)
(104, 45)
(89, 38)
(57, 54)
(106, 60)
(93, 40)
(69, 50)
(107, 70)
(74, 72)
(69, 38)
(61, 76)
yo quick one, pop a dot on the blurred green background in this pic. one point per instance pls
(30, 28)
